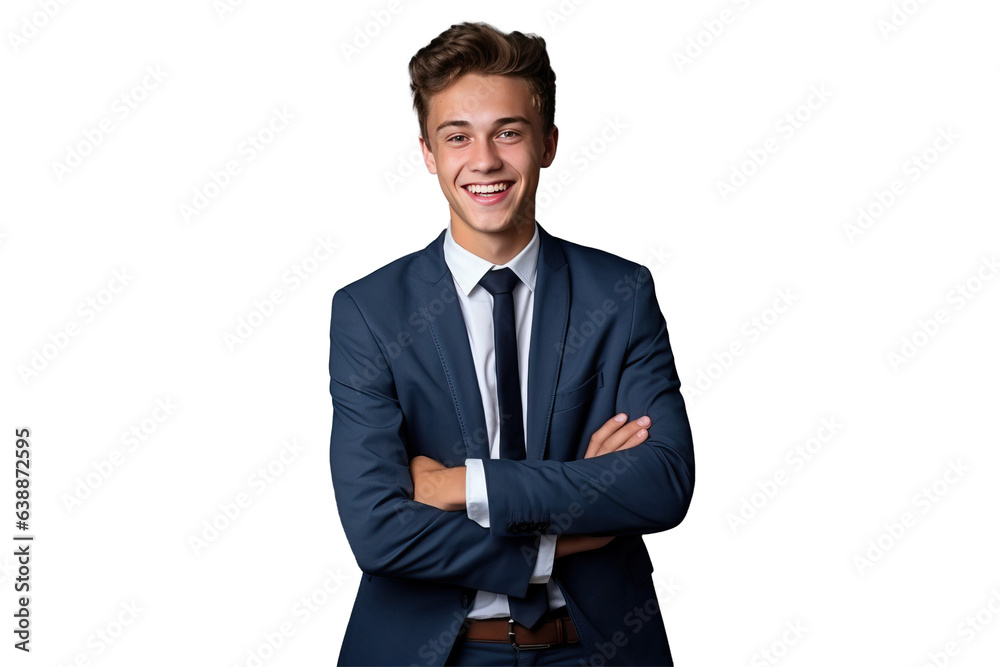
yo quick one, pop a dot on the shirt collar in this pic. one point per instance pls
(469, 268)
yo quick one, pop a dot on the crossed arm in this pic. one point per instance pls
(444, 488)
(393, 533)
(619, 487)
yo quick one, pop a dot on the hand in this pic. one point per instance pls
(436, 485)
(616, 435)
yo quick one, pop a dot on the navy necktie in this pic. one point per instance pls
(500, 283)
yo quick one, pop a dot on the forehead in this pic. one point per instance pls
(478, 98)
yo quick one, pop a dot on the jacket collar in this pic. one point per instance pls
(469, 268)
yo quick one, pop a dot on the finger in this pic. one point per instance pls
(636, 438)
(602, 434)
(626, 438)
(632, 434)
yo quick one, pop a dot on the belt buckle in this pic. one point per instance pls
(513, 642)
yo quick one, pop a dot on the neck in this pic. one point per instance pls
(495, 247)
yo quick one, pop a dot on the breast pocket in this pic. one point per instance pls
(567, 400)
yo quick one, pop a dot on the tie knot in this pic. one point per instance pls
(501, 281)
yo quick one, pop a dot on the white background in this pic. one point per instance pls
(662, 134)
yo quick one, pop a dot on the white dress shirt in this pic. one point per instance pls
(477, 309)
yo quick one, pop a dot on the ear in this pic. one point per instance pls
(549, 144)
(428, 156)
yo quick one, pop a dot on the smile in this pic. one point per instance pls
(492, 193)
(491, 189)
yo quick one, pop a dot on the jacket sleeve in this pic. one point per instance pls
(389, 533)
(644, 489)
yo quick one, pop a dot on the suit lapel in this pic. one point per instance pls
(439, 302)
(550, 316)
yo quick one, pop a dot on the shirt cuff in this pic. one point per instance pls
(546, 554)
(477, 504)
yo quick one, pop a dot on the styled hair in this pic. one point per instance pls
(479, 48)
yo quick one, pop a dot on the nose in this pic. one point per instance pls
(485, 157)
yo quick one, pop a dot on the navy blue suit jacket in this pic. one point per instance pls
(403, 383)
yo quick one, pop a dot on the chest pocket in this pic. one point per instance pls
(567, 400)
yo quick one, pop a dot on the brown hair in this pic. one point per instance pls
(479, 48)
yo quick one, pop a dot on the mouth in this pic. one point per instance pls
(488, 193)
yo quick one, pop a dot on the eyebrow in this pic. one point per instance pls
(508, 120)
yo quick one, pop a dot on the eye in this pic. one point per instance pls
(508, 134)
(458, 138)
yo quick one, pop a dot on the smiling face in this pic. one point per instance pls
(487, 146)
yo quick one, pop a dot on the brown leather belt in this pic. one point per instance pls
(557, 629)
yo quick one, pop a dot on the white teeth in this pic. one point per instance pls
(486, 189)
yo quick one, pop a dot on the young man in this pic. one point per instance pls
(487, 474)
